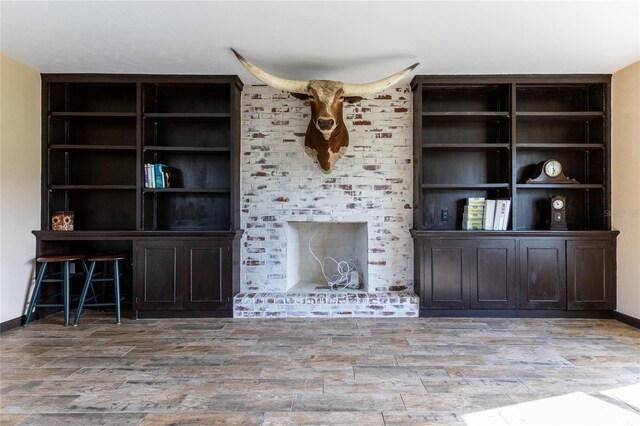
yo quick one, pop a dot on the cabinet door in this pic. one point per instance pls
(542, 274)
(158, 272)
(492, 274)
(208, 278)
(590, 275)
(445, 277)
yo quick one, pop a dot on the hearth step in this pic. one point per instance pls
(322, 304)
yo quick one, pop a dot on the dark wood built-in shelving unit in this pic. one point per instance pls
(482, 136)
(98, 132)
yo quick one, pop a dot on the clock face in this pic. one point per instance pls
(558, 204)
(552, 168)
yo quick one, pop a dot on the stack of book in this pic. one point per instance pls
(473, 216)
(496, 216)
(157, 176)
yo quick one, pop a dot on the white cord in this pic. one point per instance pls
(343, 269)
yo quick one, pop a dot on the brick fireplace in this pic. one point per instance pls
(281, 186)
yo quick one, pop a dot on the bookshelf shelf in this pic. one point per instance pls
(92, 115)
(466, 146)
(194, 149)
(526, 186)
(93, 147)
(466, 115)
(187, 116)
(550, 115)
(465, 186)
(561, 146)
(92, 187)
(189, 190)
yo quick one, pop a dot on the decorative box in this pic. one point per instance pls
(62, 221)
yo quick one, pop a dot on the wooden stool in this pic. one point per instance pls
(103, 277)
(63, 277)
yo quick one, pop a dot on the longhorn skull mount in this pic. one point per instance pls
(327, 137)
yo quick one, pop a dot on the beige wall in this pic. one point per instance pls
(625, 176)
(19, 182)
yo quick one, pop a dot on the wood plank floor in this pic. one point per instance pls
(304, 371)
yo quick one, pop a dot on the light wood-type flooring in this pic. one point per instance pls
(308, 371)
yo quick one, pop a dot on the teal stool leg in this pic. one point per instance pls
(86, 272)
(84, 266)
(85, 289)
(105, 274)
(36, 293)
(65, 292)
(116, 281)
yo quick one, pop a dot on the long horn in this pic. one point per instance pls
(295, 86)
(376, 86)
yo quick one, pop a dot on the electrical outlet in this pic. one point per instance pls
(72, 268)
(444, 215)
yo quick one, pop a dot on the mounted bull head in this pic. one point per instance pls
(327, 137)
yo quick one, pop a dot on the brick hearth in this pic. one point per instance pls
(331, 305)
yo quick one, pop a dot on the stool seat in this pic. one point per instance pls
(105, 257)
(64, 258)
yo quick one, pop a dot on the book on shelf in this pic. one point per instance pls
(157, 176)
(497, 214)
(490, 211)
(473, 215)
(471, 224)
(489, 215)
(146, 176)
(149, 177)
(160, 170)
(505, 221)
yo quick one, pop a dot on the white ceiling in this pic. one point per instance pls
(350, 41)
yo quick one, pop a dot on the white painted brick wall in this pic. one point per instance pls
(373, 181)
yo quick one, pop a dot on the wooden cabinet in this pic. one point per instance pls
(446, 274)
(207, 275)
(492, 272)
(461, 274)
(99, 131)
(183, 275)
(515, 271)
(159, 267)
(542, 273)
(591, 274)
